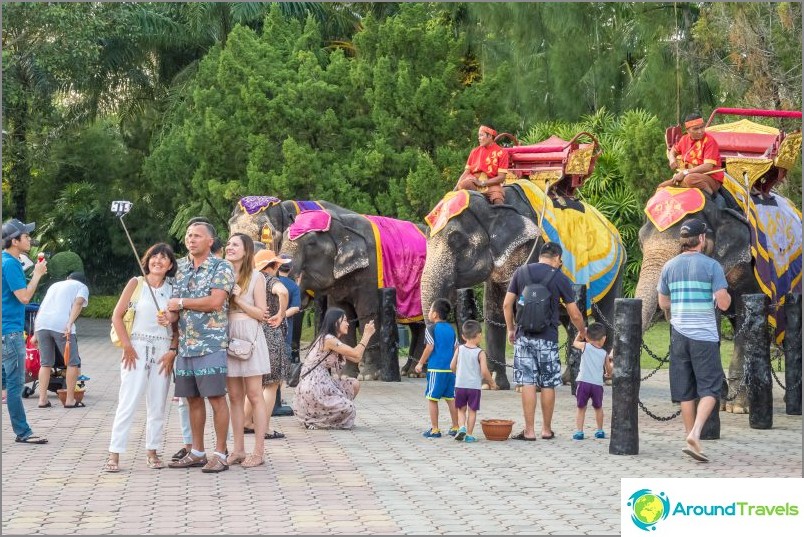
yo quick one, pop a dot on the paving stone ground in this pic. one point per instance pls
(382, 477)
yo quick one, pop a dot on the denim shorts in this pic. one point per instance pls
(536, 363)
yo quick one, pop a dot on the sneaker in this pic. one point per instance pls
(461, 434)
(432, 433)
(215, 465)
(189, 461)
(469, 438)
(453, 431)
(600, 434)
(578, 435)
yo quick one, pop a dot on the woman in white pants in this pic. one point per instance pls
(148, 355)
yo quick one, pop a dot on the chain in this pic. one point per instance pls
(654, 416)
(779, 351)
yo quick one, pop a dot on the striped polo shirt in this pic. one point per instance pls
(691, 279)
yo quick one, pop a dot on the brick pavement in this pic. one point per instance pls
(380, 478)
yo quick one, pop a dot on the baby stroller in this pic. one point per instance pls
(32, 360)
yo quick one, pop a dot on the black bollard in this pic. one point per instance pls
(387, 336)
(626, 377)
(757, 378)
(573, 354)
(792, 354)
(279, 408)
(466, 307)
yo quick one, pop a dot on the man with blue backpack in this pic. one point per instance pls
(536, 289)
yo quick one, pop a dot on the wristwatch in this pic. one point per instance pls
(685, 172)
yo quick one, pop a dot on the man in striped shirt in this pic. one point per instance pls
(690, 286)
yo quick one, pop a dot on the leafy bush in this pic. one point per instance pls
(100, 307)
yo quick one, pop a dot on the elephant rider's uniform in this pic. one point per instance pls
(484, 164)
(691, 153)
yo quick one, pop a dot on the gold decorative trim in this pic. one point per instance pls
(540, 178)
(789, 151)
(753, 167)
(579, 162)
(743, 125)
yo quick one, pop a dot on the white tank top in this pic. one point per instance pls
(145, 312)
(467, 370)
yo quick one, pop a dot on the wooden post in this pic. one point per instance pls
(573, 354)
(757, 378)
(387, 336)
(792, 354)
(626, 377)
(465, 308)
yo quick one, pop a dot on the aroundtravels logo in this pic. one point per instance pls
(648, 508)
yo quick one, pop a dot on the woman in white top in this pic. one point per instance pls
(247, 307)
(148, 355)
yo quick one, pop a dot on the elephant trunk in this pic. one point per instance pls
(657, 251)
(438, 275)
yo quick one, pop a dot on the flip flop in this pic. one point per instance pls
(521, 436)
(697, 455)
(550, 436)
(111, 467)
(77, 404)
(46, 405)
(274, 435)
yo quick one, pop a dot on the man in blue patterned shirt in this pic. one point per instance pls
(691, 286)
(200, 302)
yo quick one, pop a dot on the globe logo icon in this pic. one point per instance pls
(648, 508)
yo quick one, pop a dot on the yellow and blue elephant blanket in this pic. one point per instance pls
(593, 249)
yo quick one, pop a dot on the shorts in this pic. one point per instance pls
(536, 363)
(695, 368)
(585, 391)
(201, 376)
(49, 341)
(440, 385)
(467, 397)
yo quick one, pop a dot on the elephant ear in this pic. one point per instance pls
(351, 247)
(508, 230)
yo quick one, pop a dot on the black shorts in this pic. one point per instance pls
(695, 368)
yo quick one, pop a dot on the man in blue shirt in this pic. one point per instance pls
(16, 293)
(294, 303)
(690, 286)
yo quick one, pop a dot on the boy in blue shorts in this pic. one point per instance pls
(594, 363)
(440, 343)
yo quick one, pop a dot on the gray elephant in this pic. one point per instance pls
(730, 244)
(474, 242)
(337, 255)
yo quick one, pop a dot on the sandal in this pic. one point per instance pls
(78, 404)
(111, 466)
(31, 440)
(154, 462)
(521, 436)
(252, 461)
(235, 458)
(274, 435)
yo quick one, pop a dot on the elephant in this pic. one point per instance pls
(342, 262)
(485, 244)
(729, 242)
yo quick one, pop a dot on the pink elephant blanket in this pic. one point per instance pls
(401, 253)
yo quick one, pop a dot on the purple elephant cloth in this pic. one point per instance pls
(309, 221)
(255, 204)
(403, 250)
(304, 206)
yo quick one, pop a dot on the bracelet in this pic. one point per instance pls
(361, 343)
(174, 349)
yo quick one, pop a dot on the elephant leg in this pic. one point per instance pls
(371, 365)
(415, 351)
(496, 333)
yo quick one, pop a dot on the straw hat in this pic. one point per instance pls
(263, 258)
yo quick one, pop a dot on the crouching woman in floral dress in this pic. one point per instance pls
(325, 398)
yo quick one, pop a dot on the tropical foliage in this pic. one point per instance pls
(184, 107)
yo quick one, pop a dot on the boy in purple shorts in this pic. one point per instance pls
(594, 361)
(469, 364)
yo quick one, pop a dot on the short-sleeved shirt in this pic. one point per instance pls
(696, 152)
(592, 360)
(13, 280)
(54, 312)
(294, 301)
(491, 160)
(200, 332)
(690, 280)
(442, 337)
(560, 287)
